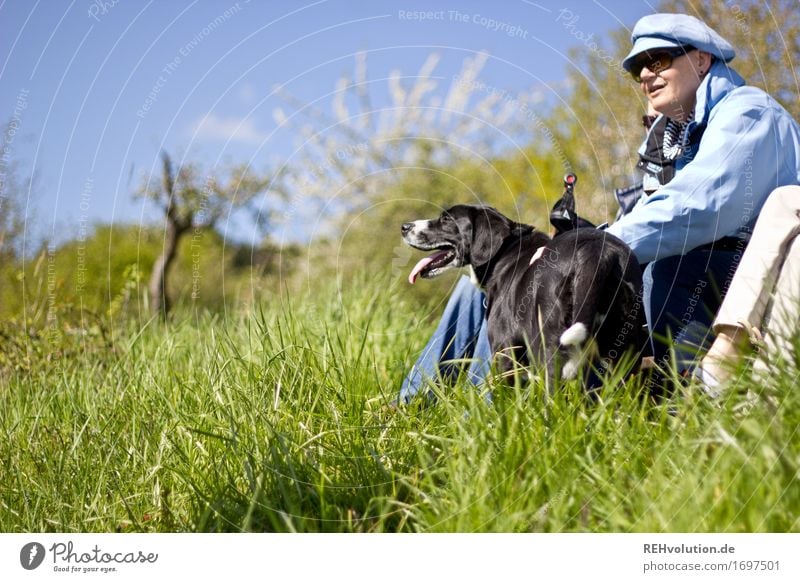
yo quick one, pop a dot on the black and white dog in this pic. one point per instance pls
(545, 297)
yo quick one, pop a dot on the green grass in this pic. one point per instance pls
(275, 421)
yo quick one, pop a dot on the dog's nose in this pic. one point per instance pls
(406, 228)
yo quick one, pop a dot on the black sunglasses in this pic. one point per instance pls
(657, 61)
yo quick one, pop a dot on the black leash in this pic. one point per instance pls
(563, 216)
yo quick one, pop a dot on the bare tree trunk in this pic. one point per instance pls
(159, 300)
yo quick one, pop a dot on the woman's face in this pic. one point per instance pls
(671, 91)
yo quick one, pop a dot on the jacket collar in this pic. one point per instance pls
(720, 80)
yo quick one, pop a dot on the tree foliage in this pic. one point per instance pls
(191, 202)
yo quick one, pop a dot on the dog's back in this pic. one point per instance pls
(583, 284)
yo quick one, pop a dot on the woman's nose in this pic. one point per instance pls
(646, 74)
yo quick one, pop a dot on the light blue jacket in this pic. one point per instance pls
(742, 145)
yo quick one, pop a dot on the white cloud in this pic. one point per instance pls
(216, 128)
(247, 93)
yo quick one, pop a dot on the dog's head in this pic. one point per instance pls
(463, 235)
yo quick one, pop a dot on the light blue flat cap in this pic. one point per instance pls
(673, 30)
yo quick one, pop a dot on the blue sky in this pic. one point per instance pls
(99, 87)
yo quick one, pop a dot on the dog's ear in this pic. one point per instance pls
(489, 230)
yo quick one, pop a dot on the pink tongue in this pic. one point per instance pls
(412, 277)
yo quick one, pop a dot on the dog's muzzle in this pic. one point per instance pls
(414, 234)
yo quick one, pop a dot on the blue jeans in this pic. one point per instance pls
(461, 334)
(681, 296)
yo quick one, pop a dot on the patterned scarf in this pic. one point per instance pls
(675, 138)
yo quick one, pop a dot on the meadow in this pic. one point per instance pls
(277, 418)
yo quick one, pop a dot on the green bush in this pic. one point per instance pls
(107, 274)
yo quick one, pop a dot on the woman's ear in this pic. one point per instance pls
(704, 61)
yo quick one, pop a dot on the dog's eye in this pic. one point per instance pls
(446, 218)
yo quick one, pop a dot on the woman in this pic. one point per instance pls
(726, 145)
